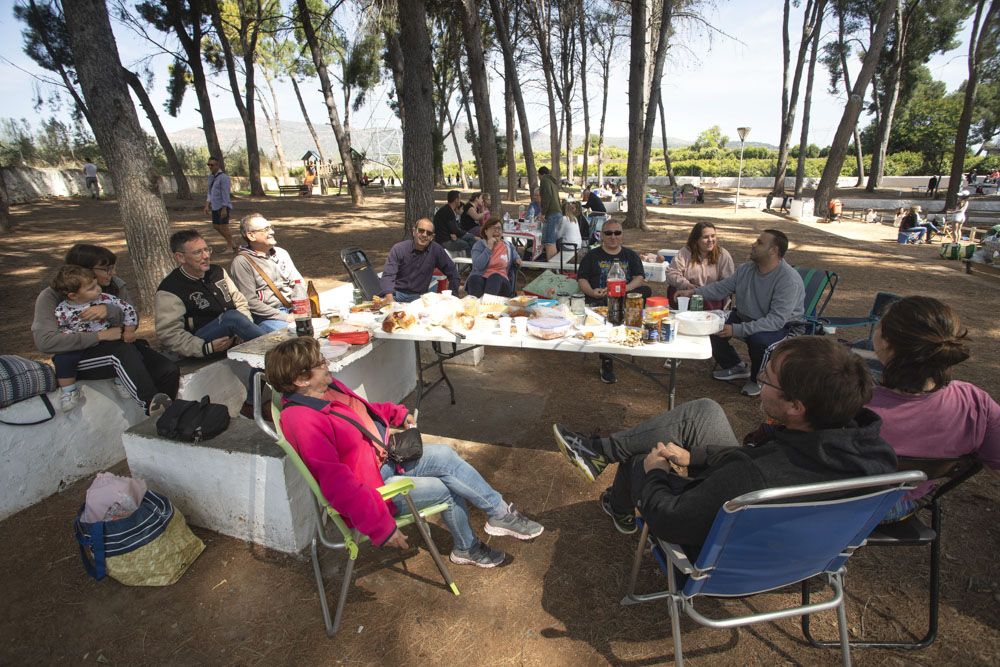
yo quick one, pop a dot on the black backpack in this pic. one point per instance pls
(193, 421)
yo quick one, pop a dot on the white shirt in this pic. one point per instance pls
(570, 232)
(90, 170)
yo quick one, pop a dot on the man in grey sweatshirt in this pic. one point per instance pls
(769, 297)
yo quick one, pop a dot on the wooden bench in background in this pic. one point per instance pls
(294, 190)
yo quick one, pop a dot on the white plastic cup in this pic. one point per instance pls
(521, 324)
(504, 324)
(682, 303)
(446, 292)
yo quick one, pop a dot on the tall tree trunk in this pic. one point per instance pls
(312, 130)
(982, 30)
(666, 148)
(541, 25)
(458, 152)
(180, 180)
(274, 125)
(800, 170)
(394, 60)
(568, 114)
(778, 188)
(809, 20)
(6, 224)
(582, 16)
(474, 144)
(606, 76)
(122, 142)
(510, 73)
(889, 109)
(489, 172)
(343, 141)
(509, 114)
(191, 43)
(418, 100)
(642, 108)
(842, 42)
(848, 121)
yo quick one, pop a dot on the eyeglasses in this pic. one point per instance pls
(319, 364)
(761, 378)
(612, 232)
(207, 250)
(424, 232)
(261, 229)
(106, 270)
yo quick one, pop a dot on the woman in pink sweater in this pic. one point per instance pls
(924, 413)
(699, 262)
(351, 463)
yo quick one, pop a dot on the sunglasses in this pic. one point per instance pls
(424, 232)
(612, 232)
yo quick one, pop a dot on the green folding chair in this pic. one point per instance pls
(350, 539)
(820, 286)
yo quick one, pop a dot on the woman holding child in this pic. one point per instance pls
(86, 319)
(340, 437)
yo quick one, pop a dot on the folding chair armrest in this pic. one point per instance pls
(677, 557)
(392, 489)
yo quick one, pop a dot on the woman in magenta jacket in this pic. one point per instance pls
(349, 466)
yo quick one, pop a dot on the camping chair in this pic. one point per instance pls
(882, 301)
(820, 286)
(769, 539)
(912, 532)
(597, 221)
(350, 538)
(360, 269)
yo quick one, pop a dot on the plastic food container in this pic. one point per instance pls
(698, 323)
(549, 327)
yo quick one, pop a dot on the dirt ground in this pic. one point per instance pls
(557, 600)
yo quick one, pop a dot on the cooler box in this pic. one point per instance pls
(656, 272)
(667, 254)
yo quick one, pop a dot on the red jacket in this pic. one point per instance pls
(342, 459)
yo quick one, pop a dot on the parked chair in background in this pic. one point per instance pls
(360, 269)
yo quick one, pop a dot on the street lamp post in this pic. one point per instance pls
(743, 132)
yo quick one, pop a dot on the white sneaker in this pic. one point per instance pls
(737, 372)
(122, 390)
(70, 399)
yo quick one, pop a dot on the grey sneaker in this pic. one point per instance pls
(70, 399)
(480, 555)
(580, 451)
(737, 372)
(750, 388)
(514, 524)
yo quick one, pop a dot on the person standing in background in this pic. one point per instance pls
(217, 201)
(90, 173)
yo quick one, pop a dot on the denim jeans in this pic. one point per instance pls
(272, 325)
(230, 323)
(404, 297)
(441, 475)
(550, 228)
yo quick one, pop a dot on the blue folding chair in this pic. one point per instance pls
(882, 301)
(769, 539)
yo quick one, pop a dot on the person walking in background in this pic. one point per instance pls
(551, 209)
(217, 201)
(90, 173)
(932, 186)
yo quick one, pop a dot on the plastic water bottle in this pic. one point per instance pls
(300, 300)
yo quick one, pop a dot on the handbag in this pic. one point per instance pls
(21, 379)
(153, 546)
(193, 421)
(403, 446)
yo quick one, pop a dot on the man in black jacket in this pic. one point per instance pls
(678, 468)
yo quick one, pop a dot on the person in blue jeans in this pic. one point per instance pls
(342, 438)
(551, 209)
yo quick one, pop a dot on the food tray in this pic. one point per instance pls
(549, 327)
(698, 323)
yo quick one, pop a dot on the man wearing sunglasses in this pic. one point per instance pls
(678, 468)
(592, 277)
(411, 263)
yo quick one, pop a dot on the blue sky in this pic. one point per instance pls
(710, 79)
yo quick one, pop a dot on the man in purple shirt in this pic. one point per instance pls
(408, 270)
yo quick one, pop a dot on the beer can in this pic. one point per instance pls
(668, 330)
(697, 302)
(303, 326)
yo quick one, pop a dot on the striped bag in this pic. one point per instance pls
(21, 379)
(153, 546)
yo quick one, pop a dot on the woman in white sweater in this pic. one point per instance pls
(701, 261)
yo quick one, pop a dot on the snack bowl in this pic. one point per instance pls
(549, 327)
(698, 323)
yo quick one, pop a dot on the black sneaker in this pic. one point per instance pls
(580, 451)
(608, 371)
(624, 523)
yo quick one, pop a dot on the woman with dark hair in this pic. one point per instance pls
(494, 263)
(701, 261)
(925, 413)
(342, 438)
(472, 214)
(141, 371)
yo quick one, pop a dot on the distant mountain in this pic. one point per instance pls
(374, 142)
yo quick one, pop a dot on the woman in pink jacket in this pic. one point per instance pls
(349, 466)
(699, 262)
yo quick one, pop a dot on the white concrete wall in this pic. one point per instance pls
(37, 461)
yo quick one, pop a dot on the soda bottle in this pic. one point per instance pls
(616, 294)
(313, 299)
(300, 300)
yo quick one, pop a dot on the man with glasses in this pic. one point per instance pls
(592, 277)
(199, 310)
(680, 467)
(411, 263)
(264, 274)
(217, 201)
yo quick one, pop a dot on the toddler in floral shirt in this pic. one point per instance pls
(80, 290)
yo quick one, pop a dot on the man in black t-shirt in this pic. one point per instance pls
(592, 277)
(446, 230)
(593, 202)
